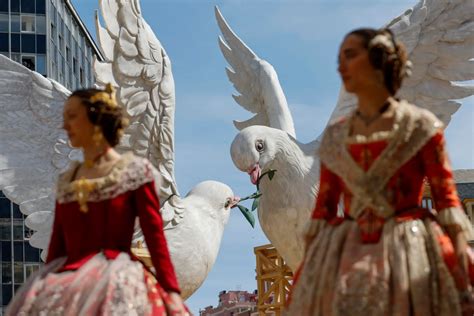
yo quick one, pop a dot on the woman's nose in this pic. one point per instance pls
(341, 67)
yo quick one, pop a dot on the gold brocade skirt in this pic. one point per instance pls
(403, 274)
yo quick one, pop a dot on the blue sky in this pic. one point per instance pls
(300, 39)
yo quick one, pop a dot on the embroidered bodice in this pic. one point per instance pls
(114, 203)
(384, 174)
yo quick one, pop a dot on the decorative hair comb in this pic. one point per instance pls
(107, 96)
(384, 41)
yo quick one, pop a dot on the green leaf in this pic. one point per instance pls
(247, 214)
(255, 204)
(256, 195)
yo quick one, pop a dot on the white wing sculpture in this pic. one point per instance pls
(35, 150)
(34, 147)
(439, 37)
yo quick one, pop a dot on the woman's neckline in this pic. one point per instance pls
(116, 164)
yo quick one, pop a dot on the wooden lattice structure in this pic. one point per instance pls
(274, 279)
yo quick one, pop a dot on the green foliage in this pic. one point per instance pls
(256, 198)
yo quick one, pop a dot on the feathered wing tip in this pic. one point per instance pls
(440, 44)
(256, 81)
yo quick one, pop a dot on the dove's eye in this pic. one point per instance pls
(259, 146)
(227, 203)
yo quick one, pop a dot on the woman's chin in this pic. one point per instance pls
(348, 87)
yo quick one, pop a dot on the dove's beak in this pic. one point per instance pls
(255, 173)
(234, 202)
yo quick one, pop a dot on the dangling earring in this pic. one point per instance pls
(97, 137)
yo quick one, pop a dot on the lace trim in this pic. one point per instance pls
(128, 174)
(456, 216)
(415, 127)
(374, 137)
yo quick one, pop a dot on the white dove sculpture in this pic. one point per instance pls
(439, 38)
(35, 149)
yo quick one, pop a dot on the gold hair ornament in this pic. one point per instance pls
(107, 96)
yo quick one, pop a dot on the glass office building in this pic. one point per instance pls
(49, 37)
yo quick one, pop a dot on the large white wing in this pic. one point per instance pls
(256, 81)
(138, 66)
(439, 37)
(33, 146)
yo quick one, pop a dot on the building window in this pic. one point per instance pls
(31, 254)
(18, 231)
(18, 273)
(41, 64)
(4, 42)
(74, 65)
(40, 24)
(6, 250)
(28, 23)
(60, 43)
(16, 212)
(68, 55)
(81, 76)
(16, 43)
(3, 5)
(40, 6)
(29, 62)
(18, 250)
(5, 230)
(6, 293)
(53, 70)
(28, 6)
(15, 5)
(7, 274)
(4, 22)
(41, 44)
(28, 43)
(5, 208)
(15, 23)
(53, 32)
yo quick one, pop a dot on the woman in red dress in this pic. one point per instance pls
(89, 268)
(385, 255)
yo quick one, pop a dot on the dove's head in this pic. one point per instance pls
(255, 148)
(218, 197)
